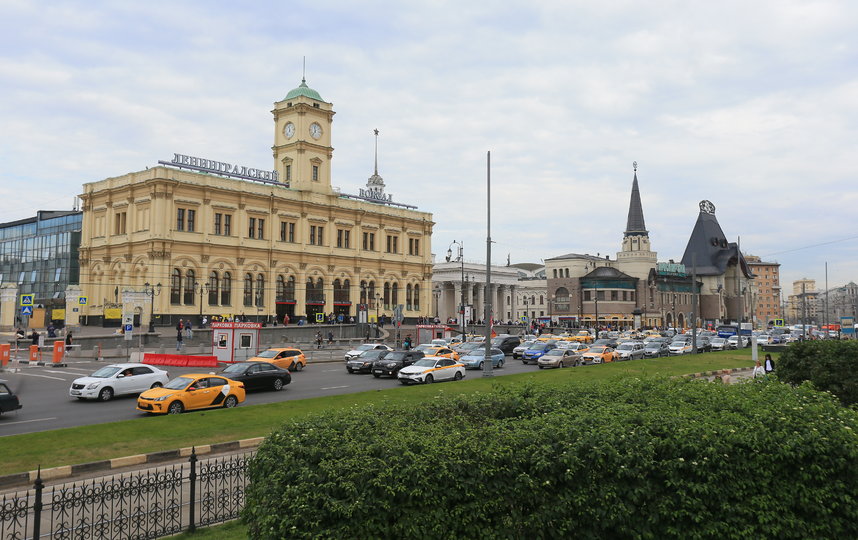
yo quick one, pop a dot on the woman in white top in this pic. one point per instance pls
(758, 372)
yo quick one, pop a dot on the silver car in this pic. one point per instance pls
(118, 379)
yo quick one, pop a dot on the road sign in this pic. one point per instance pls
(27, 300)
(129, 331)
(26, 310)
(320, 317)
(340, 318)
(81, 300)
(524, 318)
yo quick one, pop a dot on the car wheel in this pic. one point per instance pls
(402, 381)
(230, 402)
(540, 367)
(350, 370)
(457, 376)
(278, 384)
(176, 407)
(106, 394)
(481, 366)
(500, 363)
(429, 379)
(297, 366)
(156, 385)
(560, 364)
(81, 398)
(376, 375)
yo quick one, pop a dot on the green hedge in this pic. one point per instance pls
(624, 459)
(829, 364)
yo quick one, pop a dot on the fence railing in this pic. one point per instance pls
(145, 504)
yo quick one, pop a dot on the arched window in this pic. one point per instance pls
(320, 290)
(290, 288)
(260, 290)
(408, 297)
(541, 300)
(555, 273)
(363, 292)
(561, 299)
(226, 289)
(416, 297)
(341, 291)
(532, 300)
(281, 288)
(248, 290)
(190, 293)
(567, 272)
(394, 294)
(213, 288)
(176, 287)
(386, 300)
(371, 292)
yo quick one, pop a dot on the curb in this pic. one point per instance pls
(67, 471)
(716, 372)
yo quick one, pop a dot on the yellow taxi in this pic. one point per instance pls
(547, 337)
(190, 392)
(283, 357)
(599, 354)
(584, 336)
(445, 352)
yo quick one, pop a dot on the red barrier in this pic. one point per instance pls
(179, 360)
(35, 353)
(59, 351)
(5, 350)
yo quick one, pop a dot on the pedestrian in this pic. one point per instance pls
(34, 337)
(205, 322)
(68, 339)
(330, 338)
(319, 340)
(20, 334)
(189, 329)
(180, 325)
(407, 344)
(179, 340)
(769, 365)
(286, 320)
(758, 372)
(52, 330)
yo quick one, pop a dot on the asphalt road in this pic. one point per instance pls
(44, 392)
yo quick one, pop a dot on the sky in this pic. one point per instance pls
(751, 105)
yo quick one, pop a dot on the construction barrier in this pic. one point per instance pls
(179, 360)
(35, 353)
(5, 353)
(59, 351)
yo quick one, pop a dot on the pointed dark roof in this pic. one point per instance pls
(607, 272)
(635, 225)
(711, 251)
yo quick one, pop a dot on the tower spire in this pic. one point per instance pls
(376, 151)
(635, 225)
(304, 70)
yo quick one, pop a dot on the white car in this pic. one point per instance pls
(718, 343)
(630, 350)
(733, 341)
(430, 369)
(354, 353)
(518, 352)
(679, 346)
(118, 379)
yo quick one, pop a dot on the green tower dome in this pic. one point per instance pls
(304, 90)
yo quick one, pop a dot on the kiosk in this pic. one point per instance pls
(235, 341)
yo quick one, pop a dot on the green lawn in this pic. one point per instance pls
(227, 531)
(151, 434)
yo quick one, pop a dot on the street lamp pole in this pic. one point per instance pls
(377, 301)
(461, 260)
(203, 289)
(152, 291)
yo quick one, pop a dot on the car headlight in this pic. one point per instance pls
(93, 386)
(160, 398)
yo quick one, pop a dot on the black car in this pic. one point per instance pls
(393, 361)
(363, 363)
(8, 400)
(657, 348)
(258, 375)
(506, 343)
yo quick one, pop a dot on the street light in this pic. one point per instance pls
(377, 301)
(461, 259)
(436, 291)
(152, 292)
(202, 289)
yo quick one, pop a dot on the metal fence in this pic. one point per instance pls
(144, 504)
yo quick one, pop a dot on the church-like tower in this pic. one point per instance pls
(636, 259)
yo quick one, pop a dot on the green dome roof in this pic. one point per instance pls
(304, 90)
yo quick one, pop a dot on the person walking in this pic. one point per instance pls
(319, 340)
(205, 322)
(34, 337)
(758, 372)
(189, 330)
(769, 365)
(407, 343)
(179, 339)
(330, 338)
(68, 340)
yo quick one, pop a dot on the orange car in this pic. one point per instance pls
(446, 352)
(599, 354)
(283, 357)
(191, 391)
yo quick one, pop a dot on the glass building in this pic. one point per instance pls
(40, 254)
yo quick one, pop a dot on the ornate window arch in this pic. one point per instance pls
(248, 290)
(280, 294)
(213, 288)
(226, 289)
(408, 297)
(176, 287)
(190, 280)
(260, 290)
(415, 297)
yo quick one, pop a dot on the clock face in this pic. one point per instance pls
(289, 130)
(315, 130)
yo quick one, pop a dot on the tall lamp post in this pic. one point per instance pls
(436, 292)
(460, 259)
(201, 289)
(377, 302)
(152, 291)
(675, 326)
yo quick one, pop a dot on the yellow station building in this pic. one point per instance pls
(223, 239)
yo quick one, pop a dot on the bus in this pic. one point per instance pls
(727, 330)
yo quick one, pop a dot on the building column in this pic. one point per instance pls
(301, 294)
(457, 299)
(9, 306)
(354, 296)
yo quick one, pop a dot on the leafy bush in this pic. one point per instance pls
(829, 364)
(624, 459)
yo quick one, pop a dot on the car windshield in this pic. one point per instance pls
(395, 356)
(179, 383)
(718, 340)
(653, 345)
(270, 353)
(105, 372)
(528, 344)
(477, 352)
(235, 368)
(555, 352)
(598, 349)
(425, 362)
(625, 347)
(424, 347)
(365, 347)
(539, 346)
(375, 353)
(679, 342)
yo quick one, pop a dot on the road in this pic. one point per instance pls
(43, 392)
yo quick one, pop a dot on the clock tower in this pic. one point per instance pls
(302, 140)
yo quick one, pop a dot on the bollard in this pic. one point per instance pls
(35, 354)
(59, 352)
(5, 353)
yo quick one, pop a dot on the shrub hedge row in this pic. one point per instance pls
(830, 365)
(623, 459)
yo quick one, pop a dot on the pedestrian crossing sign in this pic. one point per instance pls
(81, 300)
(320, 317)
(27, 300)
(26, 310)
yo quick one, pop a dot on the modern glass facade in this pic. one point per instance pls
(40, 254)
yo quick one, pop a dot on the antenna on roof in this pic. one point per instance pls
(304, 70)
(376, 151)
(635, 165)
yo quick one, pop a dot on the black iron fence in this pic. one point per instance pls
(144, 504)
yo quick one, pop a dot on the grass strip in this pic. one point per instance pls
(226, 531)
(151, 434)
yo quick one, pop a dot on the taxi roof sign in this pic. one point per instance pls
(26, 299)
